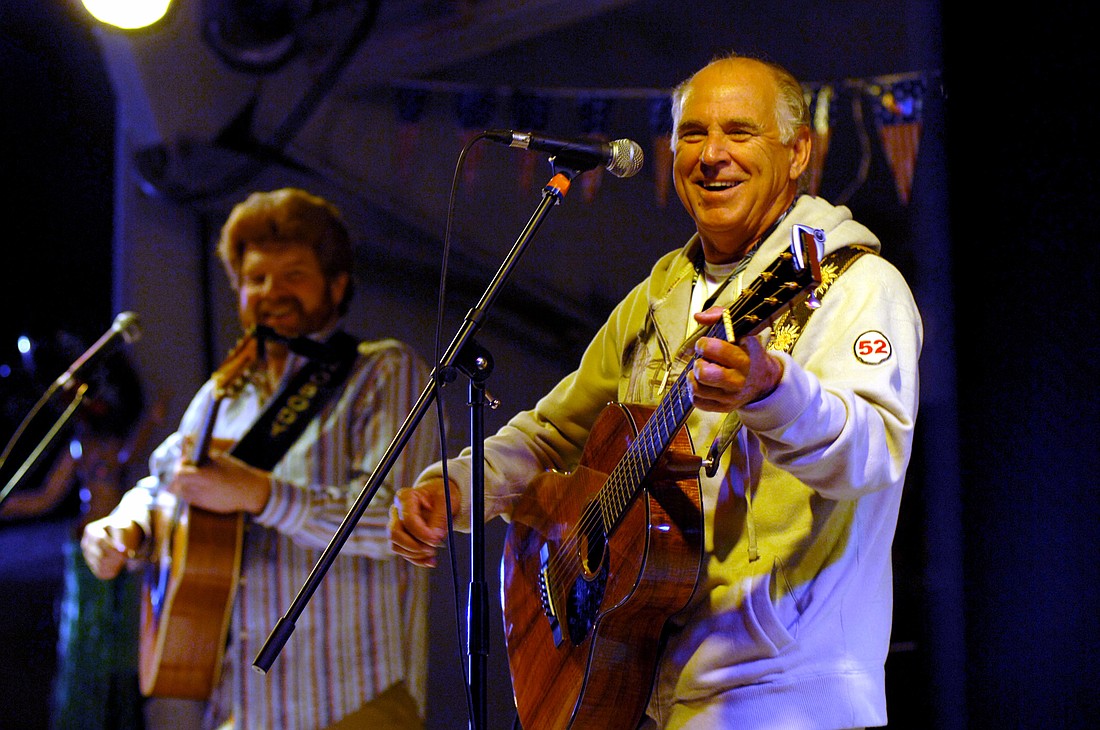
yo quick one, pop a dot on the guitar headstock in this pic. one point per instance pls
(231, 373)
(791, 278)
(808, 247)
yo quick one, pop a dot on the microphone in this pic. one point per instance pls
(125, 326)
(621, 157)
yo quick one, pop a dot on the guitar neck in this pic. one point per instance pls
(227, 380)
(200, 455)
(625, 480)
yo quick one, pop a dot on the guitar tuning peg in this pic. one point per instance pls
(812, 301)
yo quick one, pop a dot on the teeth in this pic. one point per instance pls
(718, 185)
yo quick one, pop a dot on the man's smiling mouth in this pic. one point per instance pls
(277, 314)
(718, 185)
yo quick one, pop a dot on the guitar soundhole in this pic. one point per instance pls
(587, 591)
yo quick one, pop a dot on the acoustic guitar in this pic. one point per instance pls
(189, 587)
(598, 560)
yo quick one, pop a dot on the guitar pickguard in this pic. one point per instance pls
(583, 595)
(583, 607)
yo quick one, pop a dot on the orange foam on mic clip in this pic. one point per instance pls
(559, 183)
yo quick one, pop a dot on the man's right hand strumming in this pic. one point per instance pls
(107, 546)
(418, 521)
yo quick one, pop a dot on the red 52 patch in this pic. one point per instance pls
(872, 347)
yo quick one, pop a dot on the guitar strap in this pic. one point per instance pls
(785, 333)
(296, 404)
(789, 327)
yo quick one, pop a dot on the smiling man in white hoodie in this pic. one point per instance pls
(789, 621)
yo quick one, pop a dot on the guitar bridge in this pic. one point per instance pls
(546, 596)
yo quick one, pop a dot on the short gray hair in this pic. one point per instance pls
(791, 112)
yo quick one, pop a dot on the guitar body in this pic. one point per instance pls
(592, 664)
(190, 584)
(187, 598)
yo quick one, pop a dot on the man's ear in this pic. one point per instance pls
(800, 152)
(338, 285)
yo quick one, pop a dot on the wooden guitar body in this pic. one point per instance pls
(592, 664)
(187, 599)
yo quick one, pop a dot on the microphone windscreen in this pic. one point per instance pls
(128, 324)
(626, 158)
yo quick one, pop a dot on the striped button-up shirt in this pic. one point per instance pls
(364, 629)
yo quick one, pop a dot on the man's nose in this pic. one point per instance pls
(715, 149)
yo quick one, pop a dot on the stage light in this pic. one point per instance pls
(127, 14)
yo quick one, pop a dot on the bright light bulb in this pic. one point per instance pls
(127, 14)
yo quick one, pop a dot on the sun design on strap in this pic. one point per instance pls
(830, 270)
(784, 335)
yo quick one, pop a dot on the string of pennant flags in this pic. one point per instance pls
(896, 102)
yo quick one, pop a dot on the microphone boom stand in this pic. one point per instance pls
(466, 355)
(45, 441)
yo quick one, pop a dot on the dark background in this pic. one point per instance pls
(1012, 640)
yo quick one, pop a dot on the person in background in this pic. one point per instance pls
(358, 654)
(789, 623)
(84, 474)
